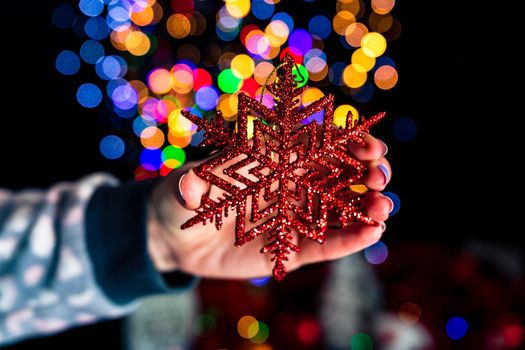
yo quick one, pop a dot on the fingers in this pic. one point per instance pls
(377, 206)
(340, 243)
(378, 175)
(374, 149)
(353, 238)
(192, 188)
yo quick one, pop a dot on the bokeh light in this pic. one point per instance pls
(409, 313)
(89, 95)
(373, 44)
(263, 332)
(395, 199)
(385, 77)
(91, 51)
(260, 281)
(67, 62)
(377, 253)
(91, 7)
(456, 328)
(247, 326)
(63, 16)
(112, 147)
(341, 113)
(207, 98)
(319, 26)
(308, 331)
(361, 341)
(404, 129)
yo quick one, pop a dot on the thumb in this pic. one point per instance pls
(192, 188)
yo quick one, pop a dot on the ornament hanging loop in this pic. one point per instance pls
(297, 70)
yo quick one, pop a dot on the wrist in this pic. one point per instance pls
(159, 250)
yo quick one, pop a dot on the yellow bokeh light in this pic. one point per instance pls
(361, 61)
(341, 113)
(247, 327)
(178, 25)
(152, 137)
(385, 77)
(359, 188)
(383, 6)
(238, 8)
(341, 21)
(242, 66)
(178, 125)
(373, 44)
(228, 104)
(119, 35)
(277, 32)
(138, 43)
(311, 95)
(353, 77)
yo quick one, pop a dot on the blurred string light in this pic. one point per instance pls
(377, 253)
(409, 313)
(206, 77)
(361, 341)
(250, 328)
(456, 328)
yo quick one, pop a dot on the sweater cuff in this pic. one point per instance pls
(116, 239)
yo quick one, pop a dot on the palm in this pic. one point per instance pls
(204, 251)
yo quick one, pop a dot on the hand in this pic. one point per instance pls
(201, 250)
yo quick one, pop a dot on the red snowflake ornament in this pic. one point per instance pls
(299, 172)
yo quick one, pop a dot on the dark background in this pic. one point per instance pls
(452, 178)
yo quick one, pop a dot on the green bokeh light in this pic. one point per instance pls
(301, 78)
(262, 334)
(361, 341)
(228, 82)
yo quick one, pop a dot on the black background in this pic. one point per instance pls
(451, 179)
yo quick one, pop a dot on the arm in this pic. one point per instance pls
(59, 254)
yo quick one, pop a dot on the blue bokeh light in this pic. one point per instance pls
(456, 328)
(67, 62)
(300, 40)
(320, 26)
(151, 159)
(63, 16)
(91, 8)
(404, 129)
(91, 51)
(112, 147)
(206, 98)
(376, 253)
(395, 199)
(96, 28)
(262, 9)
(89, 95)
(260, 282)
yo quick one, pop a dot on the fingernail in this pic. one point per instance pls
(391, 203)
(385, 147)
(383, 226)
(180, 195)
(385, 172)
